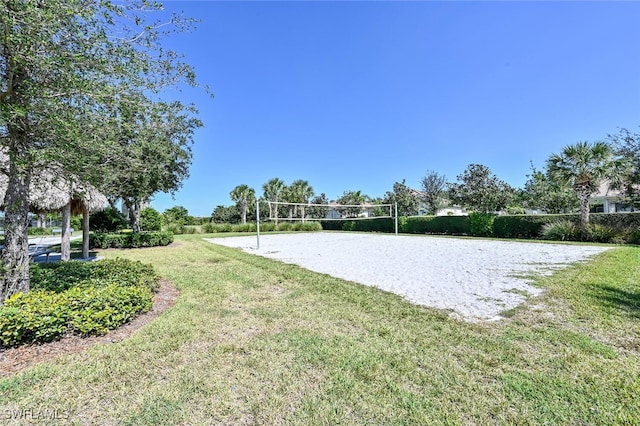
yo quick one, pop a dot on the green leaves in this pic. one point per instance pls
(77, 297)
(480, 190)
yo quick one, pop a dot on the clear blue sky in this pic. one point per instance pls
(359, 95)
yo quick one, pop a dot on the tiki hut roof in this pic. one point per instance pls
(51, 190)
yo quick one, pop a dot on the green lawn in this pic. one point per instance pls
(253, 341)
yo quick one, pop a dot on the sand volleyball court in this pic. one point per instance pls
(475, 279)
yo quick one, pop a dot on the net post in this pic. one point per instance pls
(396, 217)
(257, 225)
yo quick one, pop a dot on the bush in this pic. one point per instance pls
(130, 240)
(98, 310)
(441, 225)
(75, 222)
(109, 220)
(521, 226)
(77, 297)
(61, 276)
(38, 316)
(40, 231)
(150, 220)
(602, 234)
(561, 230)
(633, 236)
(481, 224)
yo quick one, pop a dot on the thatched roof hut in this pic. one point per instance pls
(51, 190)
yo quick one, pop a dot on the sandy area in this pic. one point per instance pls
(475, 279)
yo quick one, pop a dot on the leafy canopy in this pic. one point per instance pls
(478, 189)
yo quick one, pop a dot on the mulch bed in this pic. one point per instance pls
(13, 360)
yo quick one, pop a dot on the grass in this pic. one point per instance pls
(253, 341)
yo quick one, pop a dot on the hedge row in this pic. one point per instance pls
(605, 227)
(130, 239)
(77, 298)
(383, 224)
(211, 228)
(531, 226)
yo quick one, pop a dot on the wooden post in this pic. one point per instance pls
(65, 246)
(85, 233)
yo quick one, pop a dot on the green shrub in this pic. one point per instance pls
(332, 225)
(402, 224)
(191, 229)
(602, 234)
(244, 227)
(440, 225)
(217, 227)
(38, 316)
(481, 224)
(617, 221)
(521, 226)
(150, 220)
(61, 276)
(130, 240)
(98, 310)
(633, 236)
(268, 227)
(109, 220)
(175, 228)
(77, 297)
(285, 226)
(561, 230)
(307, 226)
(75, 222)
(40, 231)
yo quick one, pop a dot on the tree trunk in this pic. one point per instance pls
(584, 216)
(65, 246)
(136, 217)
(15, 256)
(243, 211)
(41, 220)
(85, 234)
(276, 208)
(133, 211)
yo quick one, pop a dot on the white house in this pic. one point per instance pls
(609, 200)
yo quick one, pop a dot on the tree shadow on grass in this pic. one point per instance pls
(619, 299)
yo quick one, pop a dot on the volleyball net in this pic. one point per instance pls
(282, 211)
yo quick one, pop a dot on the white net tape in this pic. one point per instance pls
(284, 211)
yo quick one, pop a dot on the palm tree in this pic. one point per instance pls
(301, 192)
(243, 195)
(272, 191)
(583, 167)
(352, 198)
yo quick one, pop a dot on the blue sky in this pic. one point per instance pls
(359, 95)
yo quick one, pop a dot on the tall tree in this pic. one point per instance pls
(478, 189)
(407, 199)
(243, 196)
(541, 192)
(63, 65)
(434, 191)
(584, 166)
(155, 153)
(226, 214)
(300, 192)
(627, 144)
(353, 199)
(319, 211)
(272, 192)
(178, 215)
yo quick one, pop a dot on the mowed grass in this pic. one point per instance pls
(254, 341)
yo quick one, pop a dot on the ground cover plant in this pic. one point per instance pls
(253, 341)
(77, 297)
